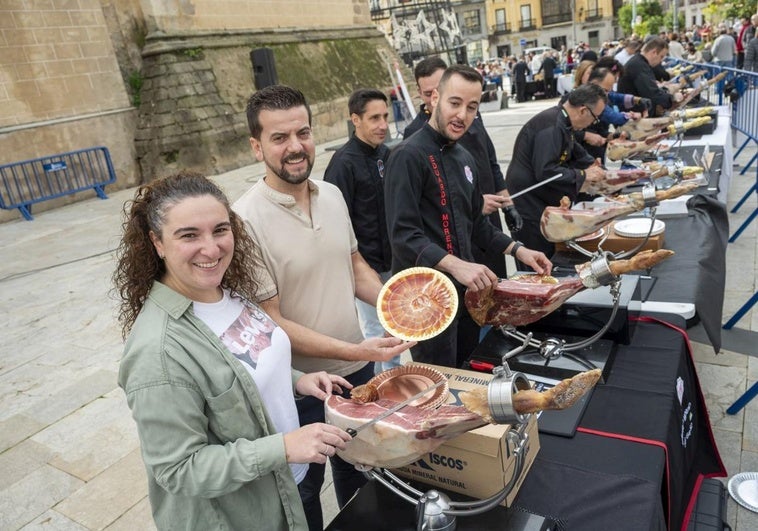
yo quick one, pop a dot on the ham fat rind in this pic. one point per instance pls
(561, 224)
(401, 438)
(614, 181)
(525, 299)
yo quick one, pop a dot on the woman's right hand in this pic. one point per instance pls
(314, 443)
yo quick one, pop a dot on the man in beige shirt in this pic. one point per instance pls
(311, 269)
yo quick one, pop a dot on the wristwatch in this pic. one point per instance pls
(516, 246)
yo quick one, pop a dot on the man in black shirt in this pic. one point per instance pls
(639, 78)
(548, 66)
(520, 71)
(434, 210)
(477, 142)
(546, 146)
(357, 169)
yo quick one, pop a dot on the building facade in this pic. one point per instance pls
(518, 24)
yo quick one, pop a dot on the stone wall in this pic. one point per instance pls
(61, 88)
(163, 83)
(196, 86)
(171, 16)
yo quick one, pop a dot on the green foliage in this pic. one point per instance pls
(718, 10)
(135, 84)
(653, 19)
(194, 53)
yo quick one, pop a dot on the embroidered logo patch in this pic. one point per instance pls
(469, 174)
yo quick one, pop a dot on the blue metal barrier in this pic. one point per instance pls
(31, 181)
(743, 95)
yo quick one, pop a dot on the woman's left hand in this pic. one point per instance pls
(321, 385)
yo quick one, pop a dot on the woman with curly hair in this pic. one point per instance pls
(206, 372)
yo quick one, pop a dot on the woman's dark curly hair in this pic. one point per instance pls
(138, 261)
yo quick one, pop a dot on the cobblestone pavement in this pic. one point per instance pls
(69, 453)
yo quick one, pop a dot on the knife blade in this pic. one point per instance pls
(354, 431)
(541, 183)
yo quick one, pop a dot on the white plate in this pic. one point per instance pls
(744, 489)
(592, 235)
(638, 228)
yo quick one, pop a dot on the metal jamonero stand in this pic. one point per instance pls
(553, 348)
(434, 510)
(651, 202)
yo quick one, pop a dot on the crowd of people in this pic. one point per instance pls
(241, 319)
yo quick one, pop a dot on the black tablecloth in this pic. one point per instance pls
(696, 274)
(626, 467)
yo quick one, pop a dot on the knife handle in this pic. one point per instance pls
(481, 366)
(351, 432)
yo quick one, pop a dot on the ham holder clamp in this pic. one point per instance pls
(427, 422)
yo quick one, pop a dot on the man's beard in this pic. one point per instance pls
(286, 176)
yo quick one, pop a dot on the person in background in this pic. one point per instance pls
(520, 73)
(477, 141)
(631, 47)
(548, 66)
(751, 50)
(693, 54)
(639, 79)
(724, 48)
(741, 41)
(434, 210)
(569, 61)
(676, 50)
(582, 73)
(357, 169)
(311, 270)
(546, 146)
(206, 371)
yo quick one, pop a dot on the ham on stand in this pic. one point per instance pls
(524, 299)
(561, 224)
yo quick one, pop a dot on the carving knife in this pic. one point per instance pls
(354, 431)
(541, 183)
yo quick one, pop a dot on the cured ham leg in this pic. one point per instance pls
(561, 396)
(561, 224)
(623, 149)
(525, 299)
(615, 180)
(644, 127)
(690, 95)
(402, 437)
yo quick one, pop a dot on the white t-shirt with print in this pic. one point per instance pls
(264, 350)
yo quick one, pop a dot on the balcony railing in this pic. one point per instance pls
(528, 24)
(556, 19)
(499, 29)
(471, 30)
(594, 14)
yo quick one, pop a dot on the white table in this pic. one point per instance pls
(722, 137)
(565, 83)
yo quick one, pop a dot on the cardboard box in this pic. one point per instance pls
(615, 243)
(477, 463)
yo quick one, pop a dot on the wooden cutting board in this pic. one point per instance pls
(615, 243)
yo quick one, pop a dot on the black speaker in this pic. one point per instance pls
(264, 67)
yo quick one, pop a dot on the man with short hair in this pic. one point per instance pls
(724, 48)
(434, 210)
(477, 141)
(676, 50)
(357, 169)
(310, 268)
(548, 66)
(631, 47)
(742, 41)
(751, 51)
(545, 147)
(639, 78)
